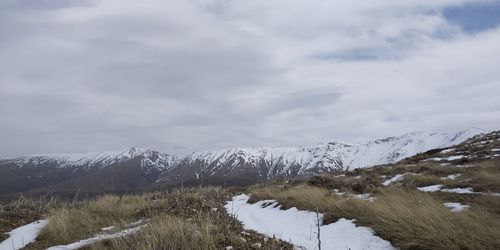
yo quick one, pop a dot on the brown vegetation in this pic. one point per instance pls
(181, 219)
(409, 219)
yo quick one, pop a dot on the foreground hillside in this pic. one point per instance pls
(446, 198)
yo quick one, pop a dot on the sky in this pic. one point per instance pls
(189, 75)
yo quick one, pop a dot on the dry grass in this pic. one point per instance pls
(485, 179)
(24, 210)
(416, 220)
(420, 180)
(301, 196)
(437, 170)
(72, 223)
(180, 219)
(354, 184)
(169, 232)
(166, 232)
(409, 219)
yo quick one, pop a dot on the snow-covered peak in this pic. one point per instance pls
(92, 159)
(269, 162)
(393, 149)
(330, 156)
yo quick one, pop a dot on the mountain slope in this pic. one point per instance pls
(270, 163)
(140, 168)
(152, 159)
(121, 170)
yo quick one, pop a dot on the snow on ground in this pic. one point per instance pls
(435, 188)
(455, 206)
(337, 192)
(23, 235)
(451, 158)
(300, 227)
(467, 190)
(99, 237)
(136, 223)
(447, 151)
(434, 159)
(451, 177)
(394, 179)
(107, 228)
(344, 234)
(366, 197)
(455, 157)
(432, 188)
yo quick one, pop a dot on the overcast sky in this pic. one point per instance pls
(187, 75)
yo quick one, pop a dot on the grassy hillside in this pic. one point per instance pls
(181, 219)
(409, 218)
(387, 198)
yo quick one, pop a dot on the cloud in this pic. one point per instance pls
(192, 75)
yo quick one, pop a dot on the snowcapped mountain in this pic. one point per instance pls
(264, 163)
(149, 159)
(102, 171)
(139, 168)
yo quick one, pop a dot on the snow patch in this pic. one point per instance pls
(107, 228)
(99, 237)
(394, 179)
(447, 151)
(451, 177)
(455, 157)
(467, 190)
(432, 188)
(300, 227)
(337, 192)
(438, 187)
(456, 207)
(22, 236)
(434, 159)
(451, 158)
(366, 197)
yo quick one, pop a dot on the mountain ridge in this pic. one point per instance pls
(244, 165)
(110, 157)
(267, 163)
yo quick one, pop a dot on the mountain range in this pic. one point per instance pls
(137, 168)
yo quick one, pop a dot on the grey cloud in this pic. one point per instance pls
(27, 5)
(192, 75)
